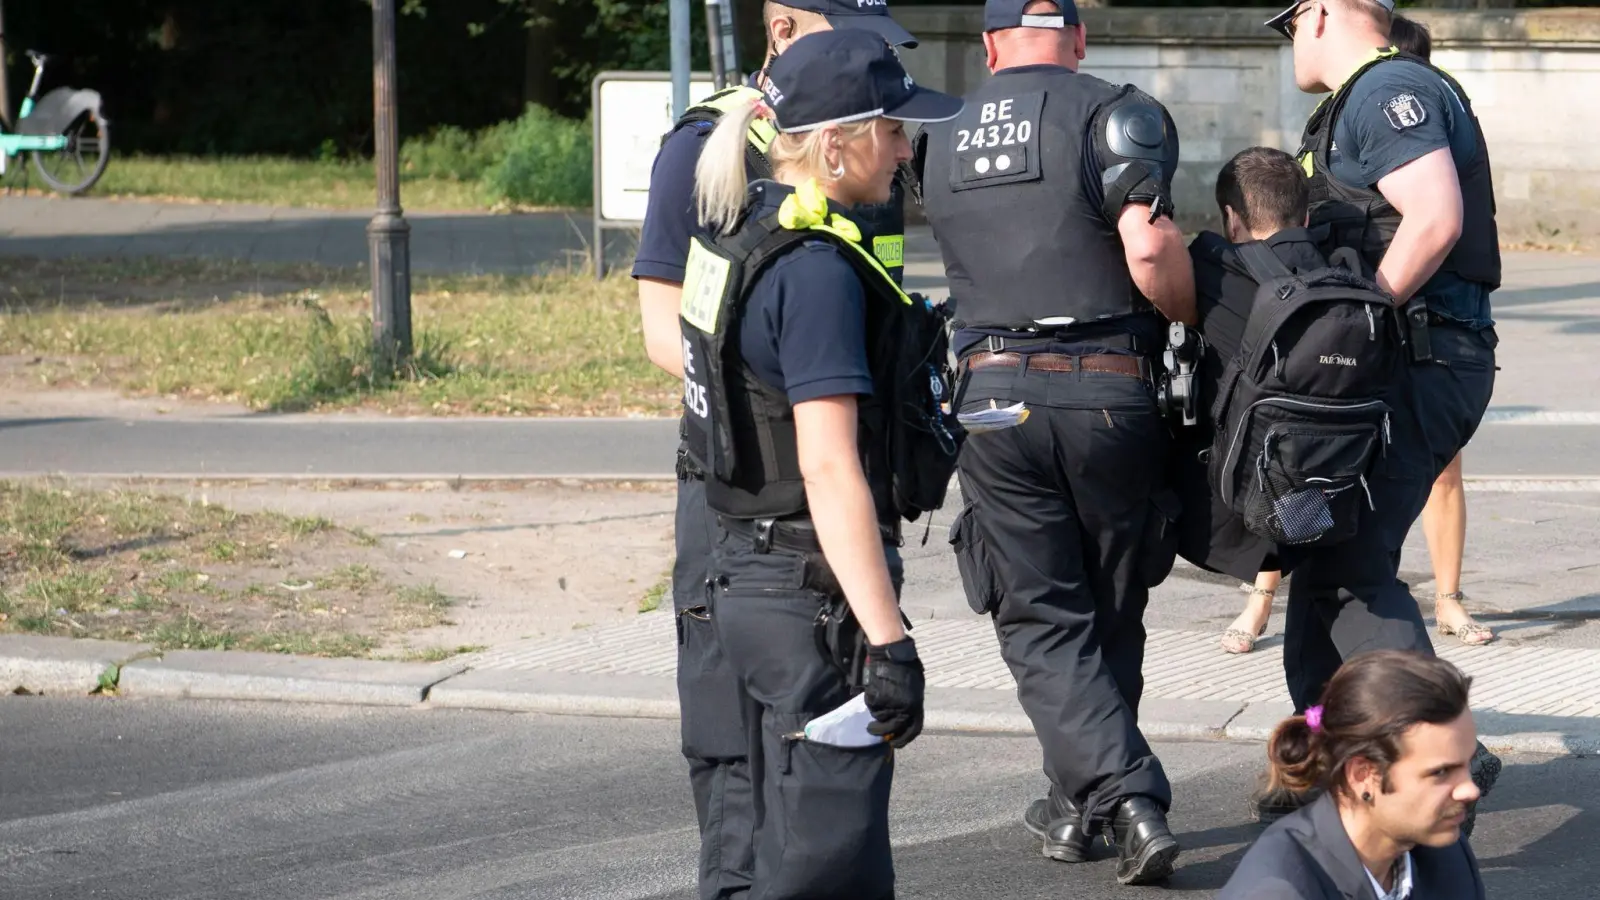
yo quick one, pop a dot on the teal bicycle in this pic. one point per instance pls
(64, 131)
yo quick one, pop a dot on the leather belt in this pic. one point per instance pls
(1114, 363)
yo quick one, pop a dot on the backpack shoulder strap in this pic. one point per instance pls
(1260, 263)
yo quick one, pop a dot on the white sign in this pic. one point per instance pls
(633, 115)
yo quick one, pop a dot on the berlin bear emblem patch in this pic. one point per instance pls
(1405, 111)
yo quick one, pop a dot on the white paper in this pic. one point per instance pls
(994, 418)
(845, 726)
(1054, 321)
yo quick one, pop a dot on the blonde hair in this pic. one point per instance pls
(719, 177)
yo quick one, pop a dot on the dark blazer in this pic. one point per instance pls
(1209, 534)
(1308, 856)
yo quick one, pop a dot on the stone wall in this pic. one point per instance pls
(1534, 79)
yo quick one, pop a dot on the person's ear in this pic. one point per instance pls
(1080, 41)
(1361, 774)
(781, 33)
(991, 56)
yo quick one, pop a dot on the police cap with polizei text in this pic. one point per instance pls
(832, 77)
(867, 15)
(1002, 14)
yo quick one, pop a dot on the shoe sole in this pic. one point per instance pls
(1152, 865)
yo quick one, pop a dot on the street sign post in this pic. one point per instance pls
(631, 111)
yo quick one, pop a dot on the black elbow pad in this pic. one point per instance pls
(1137, 145)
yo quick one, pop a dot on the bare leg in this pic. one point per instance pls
(1241, 635)
(1444, 523)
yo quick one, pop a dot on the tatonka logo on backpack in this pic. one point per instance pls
(1337, 360)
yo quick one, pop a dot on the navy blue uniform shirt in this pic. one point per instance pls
(1399, 112)
(669, 219)
(804, 328)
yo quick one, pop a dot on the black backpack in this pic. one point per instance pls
(1300, 414)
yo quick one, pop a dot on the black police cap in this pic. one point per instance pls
(1001, 14)
(867, 15)
(830, 77)
(1280, 22)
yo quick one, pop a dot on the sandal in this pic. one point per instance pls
(1237, 640)
(1471, 632)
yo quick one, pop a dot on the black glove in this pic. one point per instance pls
(894, 689)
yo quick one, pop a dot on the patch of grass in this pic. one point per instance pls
(651, 601)
(552, 344)
(438, 654)
(352, 577)
(78, 563)
(340, 184)
(419, 606)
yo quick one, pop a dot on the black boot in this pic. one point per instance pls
(1146, 848)
(1485, 769)
(1059, 823)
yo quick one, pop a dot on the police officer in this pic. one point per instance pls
(712, 731)
(1399, 172)
(790, 328)
(1049, 197)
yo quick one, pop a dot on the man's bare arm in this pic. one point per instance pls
(1427, 193)
(1159, 262)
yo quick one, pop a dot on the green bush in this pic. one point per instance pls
(540, 159)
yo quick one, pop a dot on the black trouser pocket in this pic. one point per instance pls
(972, 560)
(1159, 550)
(830, 807)
(709, 695)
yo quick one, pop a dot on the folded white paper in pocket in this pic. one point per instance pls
(979, 421)
(844, 726)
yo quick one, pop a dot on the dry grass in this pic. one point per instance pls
(297, 337)
(125, 565)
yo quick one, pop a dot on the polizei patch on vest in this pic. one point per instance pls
(1405, 111)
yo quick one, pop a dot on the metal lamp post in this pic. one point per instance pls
(388, 234)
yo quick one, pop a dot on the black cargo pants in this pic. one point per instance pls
(822, 812)
(1067, 524)
(1348, 599)
(712, 720)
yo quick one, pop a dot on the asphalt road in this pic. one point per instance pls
(445, 448)
(199, 801)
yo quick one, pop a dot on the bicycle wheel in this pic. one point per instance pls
(76, 167)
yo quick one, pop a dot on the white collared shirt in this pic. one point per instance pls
(1402, 881)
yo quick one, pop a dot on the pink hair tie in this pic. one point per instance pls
(1314, 718)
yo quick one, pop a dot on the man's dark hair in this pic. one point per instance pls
(1266, 188)
(1366, 709)
(1411, 37)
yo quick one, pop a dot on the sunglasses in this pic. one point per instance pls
(1292, 26)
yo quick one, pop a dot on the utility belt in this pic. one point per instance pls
(1419, 324)
(792, 535)
(1035, 341)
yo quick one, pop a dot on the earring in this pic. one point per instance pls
(837, 172)
(1366, 796)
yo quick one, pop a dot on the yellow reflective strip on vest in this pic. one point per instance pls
(890, 249)
(1309, 163)
(868, 257)
(705, 279)
(724, 102)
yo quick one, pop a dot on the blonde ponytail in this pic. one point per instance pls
(719, 176)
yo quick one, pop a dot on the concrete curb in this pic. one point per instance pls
(57, 665)
(227, 675)
(67, 666)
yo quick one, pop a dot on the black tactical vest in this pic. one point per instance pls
(1004, 189)
(740, 430)
(1358, 216)
(883, 225)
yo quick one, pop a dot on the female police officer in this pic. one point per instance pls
(792, 335)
